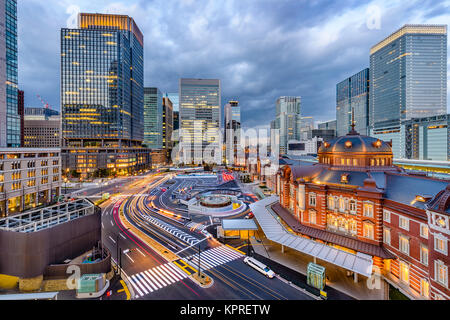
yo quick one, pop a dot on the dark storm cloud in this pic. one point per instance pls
(261, 50)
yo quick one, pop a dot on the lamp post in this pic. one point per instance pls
(199, 257)
(119, 254)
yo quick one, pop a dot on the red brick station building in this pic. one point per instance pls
(357, 201)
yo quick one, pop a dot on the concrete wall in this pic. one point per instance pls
(26, 255)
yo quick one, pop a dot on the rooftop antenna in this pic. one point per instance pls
(353, 131)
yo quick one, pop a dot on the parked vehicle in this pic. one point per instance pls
(255, 264)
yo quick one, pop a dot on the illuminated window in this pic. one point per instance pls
(424, 254)
(440, 244)
(441, 272)
(368, 210)
(404, 272)
(368, 230)
(330, 203)
(425, 288)
(353, 206)
(312, 217)
(387, 236)
(403, 244)
(424, 231)
(404, 223)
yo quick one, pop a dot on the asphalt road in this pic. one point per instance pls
(153, 278)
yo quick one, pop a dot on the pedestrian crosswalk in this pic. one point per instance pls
(172, 230)
(157, 278)
(213, 258)
(196, 226)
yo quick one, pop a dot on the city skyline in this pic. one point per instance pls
(257, 73)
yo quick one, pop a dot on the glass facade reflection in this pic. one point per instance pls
(200, 117)
(102, 83)
(353, 94)
(153, 118)
(10, 127)
(288, 121)
(408, 76)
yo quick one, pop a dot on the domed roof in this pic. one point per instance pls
(355, 143)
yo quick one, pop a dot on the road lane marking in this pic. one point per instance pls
(123, 236)
(112, 224)
(103, 227)
(125, 288)
(156, 278)
(112, 239)
(140, 252)
(151, 278)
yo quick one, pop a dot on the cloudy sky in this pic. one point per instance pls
(260, 49)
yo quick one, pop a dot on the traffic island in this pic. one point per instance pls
(202, 280)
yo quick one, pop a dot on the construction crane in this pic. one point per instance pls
(46, 105)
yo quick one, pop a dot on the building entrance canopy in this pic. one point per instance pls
(270, 224)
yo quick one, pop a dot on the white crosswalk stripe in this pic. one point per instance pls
(156, 278)
(197, 226)
(173, 230)
(213, 258)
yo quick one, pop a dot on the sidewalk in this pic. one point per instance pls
(292, 265)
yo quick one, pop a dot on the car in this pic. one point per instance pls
(258, 266)
(250, 216)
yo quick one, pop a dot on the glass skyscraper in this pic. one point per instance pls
(408, 76)
(102, 90)
(10, 130)
(232, 132)
(153, 118)
(353, 94)
(200, 118)
(288, 121)
(175, 99)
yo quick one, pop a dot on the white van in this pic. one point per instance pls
(255, 264)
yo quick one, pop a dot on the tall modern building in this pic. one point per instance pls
(167, 126)
(200, 120)
(352, 94)
(408, 76)
(288, 121)
(153, 118)
(232, 132)
(175, 98)
(10, 130)
(102, 95)
(329, 125)
(306, 127)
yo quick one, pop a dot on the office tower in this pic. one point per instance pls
(176, 120)
(153, 118)
(408, 76)
(167, 126)
(200, 120)
(232, 132)
(102, 95)
(353, 94)
(288, 121)
(329, 125)
(21, 111)
(9, 113)
(306, 127)
(427, 138)
(175, 98)
(42, 130)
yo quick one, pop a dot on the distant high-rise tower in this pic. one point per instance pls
(200, 118)
(153, 118)
(408, 79)
(353, 94)
(232, 132)
(288, 121)
(102, 94)
(10, 131)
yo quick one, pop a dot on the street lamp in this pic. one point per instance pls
(119, 254)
